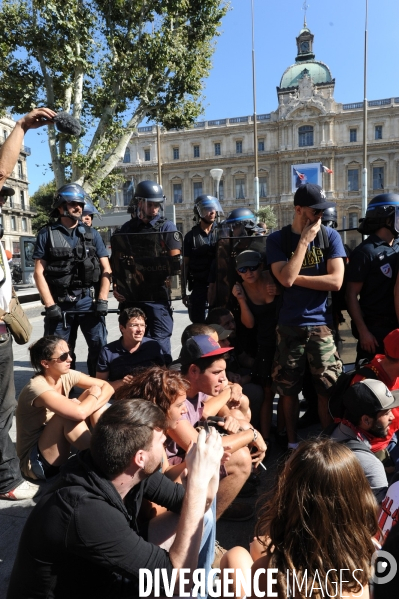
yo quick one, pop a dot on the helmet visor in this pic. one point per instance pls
(396, 219)
(149, 209)
(207, 206)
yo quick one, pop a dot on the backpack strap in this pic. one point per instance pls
(322, 237)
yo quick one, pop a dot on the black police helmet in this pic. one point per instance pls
(378, 211)
(205, 203)
(241, 216)
(146, 190)
(330, 217)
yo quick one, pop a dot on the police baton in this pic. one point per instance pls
(78, 312)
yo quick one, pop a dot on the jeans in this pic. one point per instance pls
(92, 326)
(10, 474)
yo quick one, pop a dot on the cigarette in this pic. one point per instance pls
(264, 467)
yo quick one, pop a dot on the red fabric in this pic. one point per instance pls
(378, 444)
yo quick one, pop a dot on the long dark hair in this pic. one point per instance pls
(42, 349)
(321, 516)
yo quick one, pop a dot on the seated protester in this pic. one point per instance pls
(48, 422)
(315, 531)
(240, 364)
(203, 365)
(82, 540)
(386, 367)
(119, 359)
(258, 301)
(237, 400)
(368, 411)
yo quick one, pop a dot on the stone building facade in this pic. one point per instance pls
(308, 126)
(16, 215)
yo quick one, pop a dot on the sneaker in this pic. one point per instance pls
(25, 490)
(238, 512)
(219, 552)
(248, 490)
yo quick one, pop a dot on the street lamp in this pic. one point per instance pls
(216, 174)
(256, 178)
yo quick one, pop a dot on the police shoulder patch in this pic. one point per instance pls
(176, 235)
(386, 270)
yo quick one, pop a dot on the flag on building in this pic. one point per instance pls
(324, 169)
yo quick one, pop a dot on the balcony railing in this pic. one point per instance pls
(383, 102)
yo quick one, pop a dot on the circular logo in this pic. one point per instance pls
(176, 236)
(384, 567)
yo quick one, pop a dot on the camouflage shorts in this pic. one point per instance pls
(295, 345)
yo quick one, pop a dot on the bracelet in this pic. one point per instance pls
(97, 398)
(255, 432)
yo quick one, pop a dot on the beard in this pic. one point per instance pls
(378, 430)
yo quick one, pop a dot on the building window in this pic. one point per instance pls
(221, 191)
(24, 225)
(197, 187)
(175, 153)
(378, 177)
(20, 173)
(5, 134)
(353, 179)
(353, 220)
(261, 145)
(15, 248)
(22, 196)
(305, 136)
(352, 135)
(196, 151)
(13, 223)
(147, 155)
(177, 193)
(217, 149)
(126, 157)
(240, 189)
(238, 147)
(127, 192)
(262, 187)
(378, 132)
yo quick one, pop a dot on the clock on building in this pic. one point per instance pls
(304, 46)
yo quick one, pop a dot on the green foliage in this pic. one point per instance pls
(42, 200)
(111, 64)
(266, 215)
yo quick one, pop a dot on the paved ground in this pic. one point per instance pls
(14, 514)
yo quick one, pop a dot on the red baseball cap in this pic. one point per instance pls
(200, 346)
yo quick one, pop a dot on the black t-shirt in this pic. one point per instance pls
(373, 263)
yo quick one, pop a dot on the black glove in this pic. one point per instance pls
(54, 312)
(102, 307)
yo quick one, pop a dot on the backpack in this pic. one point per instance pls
(336, 392)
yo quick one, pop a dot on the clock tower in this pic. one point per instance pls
(304, 43)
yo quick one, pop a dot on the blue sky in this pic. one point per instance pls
(338, 28)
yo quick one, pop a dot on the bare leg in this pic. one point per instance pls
(238, 468)
(58, 436)
(290, 406)
(237, 558)
(324, 414)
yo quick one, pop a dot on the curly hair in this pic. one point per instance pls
(156, 384)
(320, 518)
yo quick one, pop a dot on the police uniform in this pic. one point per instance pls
(374, 263)
(200, 248)
(159, 313)
(73, 274)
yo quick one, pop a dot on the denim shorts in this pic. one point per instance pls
(40, 466)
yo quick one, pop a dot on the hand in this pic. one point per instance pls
(310, 231)
(118, 296)
(102, 307)
(128, 379)
(235, 396)
(54, 312)
(227, 454)
(233, 377)
(259, 455)
(231, 425)
(368, 342)
(37, 118)
(203, 458)
(271, 289)
(238, 292)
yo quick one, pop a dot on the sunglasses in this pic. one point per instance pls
(244, 269)
(62, 357)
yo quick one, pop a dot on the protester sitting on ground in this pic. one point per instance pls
(203, 365)
(386, 367)
(257, 297)
(82, 539)
(119, 359)
(240, 363)
(49, 423)
(368, 411)
(318, 525)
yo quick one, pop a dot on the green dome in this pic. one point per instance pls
(319, 72)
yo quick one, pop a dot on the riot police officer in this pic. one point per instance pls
(371, 275)
(72, 273)
(88, 212)
(145, 208)
(199, 253)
